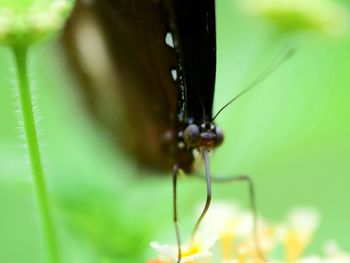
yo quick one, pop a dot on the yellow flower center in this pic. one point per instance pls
(193, 249)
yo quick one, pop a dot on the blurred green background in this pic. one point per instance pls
(291, 134)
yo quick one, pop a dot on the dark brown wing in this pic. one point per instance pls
(120, 51)
(195, 27)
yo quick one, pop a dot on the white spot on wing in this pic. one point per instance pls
(169, 40)
(174, 74)
(181, 145)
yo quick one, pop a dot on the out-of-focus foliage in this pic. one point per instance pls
(25, 22)
(326, 16)
(291, 134)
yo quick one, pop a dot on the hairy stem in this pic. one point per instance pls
(34, 153)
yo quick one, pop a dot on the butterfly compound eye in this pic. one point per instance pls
(191, 135)
(219, 136)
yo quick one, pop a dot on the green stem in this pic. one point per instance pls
(34, 153)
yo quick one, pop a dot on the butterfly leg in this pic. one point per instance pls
(175, 218)
(252, 203)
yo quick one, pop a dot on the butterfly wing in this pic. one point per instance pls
(197, 34)
(119, 49)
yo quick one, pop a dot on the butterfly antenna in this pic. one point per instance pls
(279, 60)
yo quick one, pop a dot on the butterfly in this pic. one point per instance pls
(148, 71)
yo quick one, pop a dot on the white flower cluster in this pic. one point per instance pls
(226, 236)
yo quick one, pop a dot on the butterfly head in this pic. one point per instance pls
(207, 135)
